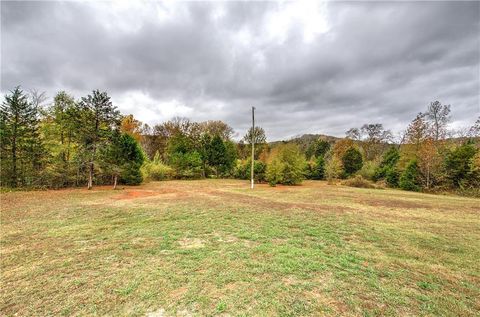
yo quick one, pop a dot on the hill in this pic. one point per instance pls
(304, 141)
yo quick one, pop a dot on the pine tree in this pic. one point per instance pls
(409, 178)
(458, 164)
(388, 163)
(122, 158)
(99, 117)
(21, 147)
(217, 154)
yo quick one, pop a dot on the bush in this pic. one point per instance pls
(358, 181)
(368, 170)
(352, 161)
(187, 165)
(288, 165)
(242, 170)
(156, 171)
(274, 174)
(409, 178)
(131, 174)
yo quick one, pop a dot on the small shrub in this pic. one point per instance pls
(358, 181)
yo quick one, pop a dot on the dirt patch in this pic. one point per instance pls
(191, 243)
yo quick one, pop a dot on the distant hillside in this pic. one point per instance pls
(305, 140)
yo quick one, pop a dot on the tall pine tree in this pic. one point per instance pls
(217, 154)
(98, 116)
(21, 148)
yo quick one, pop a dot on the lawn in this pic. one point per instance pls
(215, 247)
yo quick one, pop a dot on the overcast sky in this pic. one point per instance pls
(308, 67)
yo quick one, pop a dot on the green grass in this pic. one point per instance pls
(214, 247)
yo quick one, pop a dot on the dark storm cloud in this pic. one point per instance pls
(367, 62)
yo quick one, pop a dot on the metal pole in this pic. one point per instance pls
(253, 146)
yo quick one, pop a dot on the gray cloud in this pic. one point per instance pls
(307, 70)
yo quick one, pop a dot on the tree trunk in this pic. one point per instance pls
(115, 181)
(90, 176)
(14, 154)
(14, 162)
(428, 176)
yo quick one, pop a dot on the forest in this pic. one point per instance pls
(88, 142)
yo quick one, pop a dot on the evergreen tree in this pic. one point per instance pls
(230, 156)
(388, 163)
(21, 147)
(99, 117)
(217, 154)
(392, 176)
(352, 161)
(409, 180)
(182, 156)
(131, 160)
(122, 158)
(205, 142)
(319, 168)
(458, 164)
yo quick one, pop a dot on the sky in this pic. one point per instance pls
(307, 67)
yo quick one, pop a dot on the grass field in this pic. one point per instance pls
(214, 247)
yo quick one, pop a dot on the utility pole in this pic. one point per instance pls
(253, 146)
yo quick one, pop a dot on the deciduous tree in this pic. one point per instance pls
(259, 139)
(131, 126)
(352, 161)
(438, 116)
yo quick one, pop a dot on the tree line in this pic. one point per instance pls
(88, 142)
